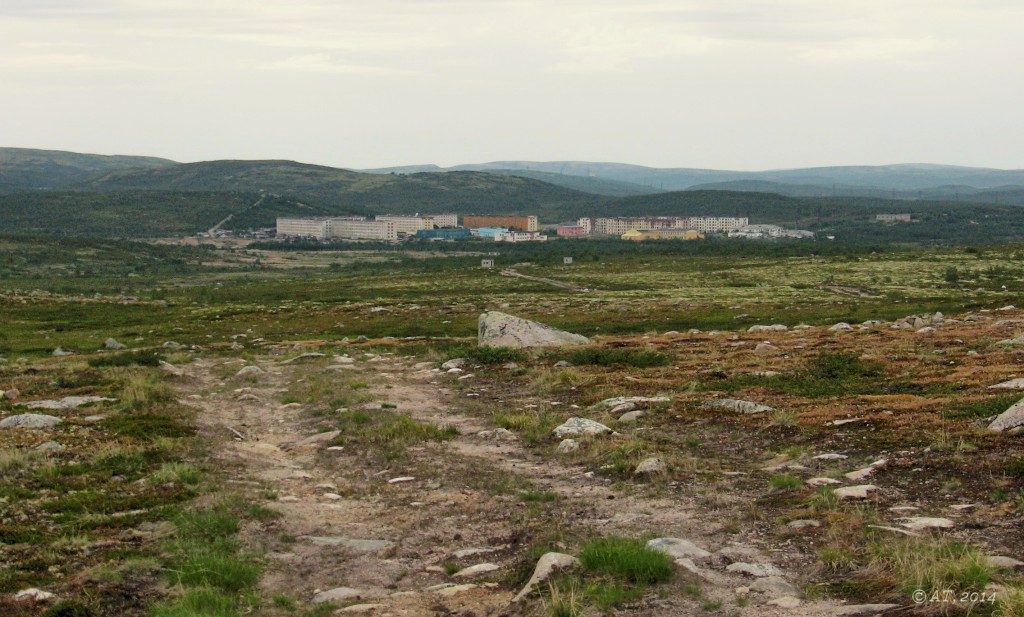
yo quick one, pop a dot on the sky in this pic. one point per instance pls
(718, 84)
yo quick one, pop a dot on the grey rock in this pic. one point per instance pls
(830, 456)
(613, 403)
(1009, 419)
(112, 343)
(361, 339)
(60, 352)
(785, 602)
(478, 570)
(998, 561)
(32, 595)
(678, 548)
(580, 426)
(1013, 384)
(249, 370)
(738, 405)
(757, 570)
(68, 402)
(1012, 342)
(171, 345)
(920, 523)
(802, 523)
(548, 564)
(563, 364)
(632, 416)
(170, 369)
(344, 594)
(774, 585)
(623, 408)
(49, 446)
(351, 543)
(568, 446)
(772, 328)
(842, 325)
(855, 492)
(651, 466)
(765, 347)
(454, 363)
(11, 394)
(503, 330)
(29, 420)
(309, 355)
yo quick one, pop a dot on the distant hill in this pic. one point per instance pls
(999, 195)
(23, 169)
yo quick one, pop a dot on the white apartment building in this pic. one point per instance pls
(714, 224)
(443, 220)
(319, 228)
(363, 229)
(406, 225)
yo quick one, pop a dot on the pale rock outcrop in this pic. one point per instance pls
(498, 329)
(548, 564)
(1013, 384)
(580, 426)
(678, 548)
(651, 466)
(111, 343)
(738, 405)
(1009, 419)
(29, 420)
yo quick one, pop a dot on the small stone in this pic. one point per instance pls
(856, 610)
(651, 466)
(112, 343)
(580, 426)
(831, 456)
(678, 548)
(860, 474)
(738, 405)
(804, 522)
(359, 608)
(454, 363)
(998, 561)
(1013, 384)
(1009, 419)
(785, 602)
(401, 480)
(452, 590)
(622, 408)
(855, 492)
(563, 364)
(30, 420)
(477, 570)
(920, 523)
(49, 446)
(249, 370)
(822, 481)
(758, 570)
(775, 585)
(32, 595)
(61, 352)
(568, 446)
(632, 416)
(332, 496)
(842, 325)
(342, 594)
(548, 564)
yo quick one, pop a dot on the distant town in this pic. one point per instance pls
(523, 228)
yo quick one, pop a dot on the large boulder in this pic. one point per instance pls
(503, 330)
(29, 420)
(1009, 419)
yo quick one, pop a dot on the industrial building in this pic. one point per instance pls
(893, 218)
(520, 236)
(442, 220)
(663, 234)
(318, 228)
(518, 223)
(569, 230)
(488, 232)
(405, 225)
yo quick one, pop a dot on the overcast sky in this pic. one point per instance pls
(727, 84)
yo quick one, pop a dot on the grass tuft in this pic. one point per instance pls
(626, 559)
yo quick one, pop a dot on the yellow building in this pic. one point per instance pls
(662, 234)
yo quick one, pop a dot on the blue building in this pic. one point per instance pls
(446, 233)
(489, 232)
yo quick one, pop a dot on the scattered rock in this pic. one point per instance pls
(249, 370)
(29, 420)
(1013, 384)
(842, 325)
(580, 426)
(855, 492)
(765, 347)
(61, 352)
(632, 416)
(785, 602)
(32, 595)
(904, 532)
(822, 481)
(309, 355)
(831, 456)
(68, 402)
(11, 394)
(343, 594)
(920, 523)
(355, 609)
(498, 434)
(112, 343)
(351, 543)
(1009, 419)
(998, 561)
(568, 446)
(452, 590)
(678, 548)
(49, 446)
(738, 405)
(477, 570)
(651, 466)
(454, 363)
(623, 408)
(772, 328)
(757, 570)
(563, 364)
(547, 565)
(613, 403)
(401, 480)
(804, 522)
(503, 330)
(170, 369)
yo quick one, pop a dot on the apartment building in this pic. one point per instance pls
(519, 223)
(319, 228)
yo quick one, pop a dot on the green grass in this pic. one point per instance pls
(218, 570)
(477, 354)
(140, 391)
(785, 482)
(627, 560)
(199, 603)
(538, 496)
(129, 358)
(390, 431)
(148, 426)
(829, 374)
(983, 407)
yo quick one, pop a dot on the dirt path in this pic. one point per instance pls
(345, 526)
(537, 279)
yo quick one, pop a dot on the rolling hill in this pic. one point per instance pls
(23, 169)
